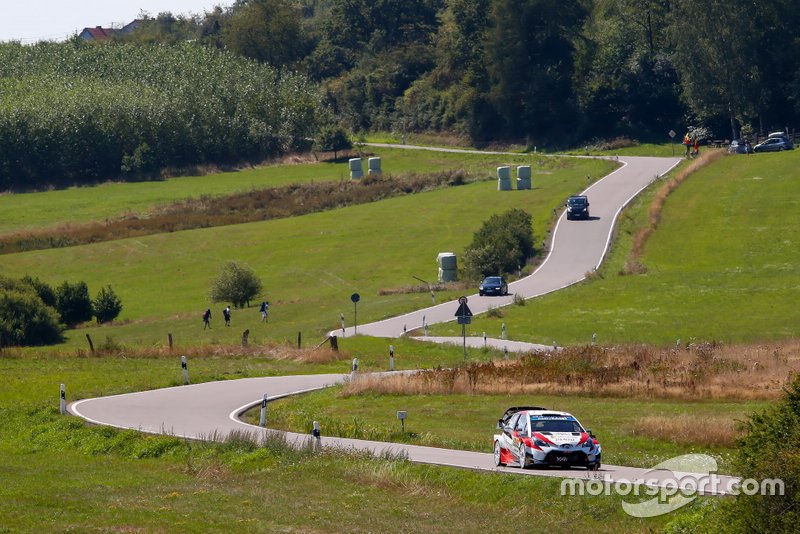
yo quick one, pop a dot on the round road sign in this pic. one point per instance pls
(355, 297)
(462, 300)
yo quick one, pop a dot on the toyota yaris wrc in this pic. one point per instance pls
(531, 436)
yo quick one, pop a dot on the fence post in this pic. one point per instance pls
(185, 368)
(91, 345)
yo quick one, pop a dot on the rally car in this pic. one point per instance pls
(535, 436)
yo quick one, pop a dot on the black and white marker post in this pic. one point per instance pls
(354, 369)
(262, 421)
(185, 371)
(391, 357)
(315, 433)
(63, 395)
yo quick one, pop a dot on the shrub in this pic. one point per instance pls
(237, 284)
(769, 451)
(26, 320)
(107, 305)
(73, 303)
(332, 139)
(43, 289)
(501, 245)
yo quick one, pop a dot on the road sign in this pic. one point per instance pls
(672, 134)
(355, 297)
(463, 310)
(462, 300)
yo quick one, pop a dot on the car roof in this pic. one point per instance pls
(577, 196)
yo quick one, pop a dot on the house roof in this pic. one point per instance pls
(97, 33)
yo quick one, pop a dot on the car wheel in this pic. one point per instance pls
(480, 293)
(497, 455)
(522, 461)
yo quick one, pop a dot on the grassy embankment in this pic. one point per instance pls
(723, 266)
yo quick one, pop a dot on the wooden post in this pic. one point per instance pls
(245, 335)
(334, 343)
(169, 337)
(91, 345)
(299, 338)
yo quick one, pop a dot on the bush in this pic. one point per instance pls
(73, 303)
(237, 284)
(769, 450)
(332, 139)
(107, 305)
(502, 245)
(26, 320)
(43, 289)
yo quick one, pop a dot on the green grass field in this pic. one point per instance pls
(467, 421)
(85, 204)
(310, 265)
(723, 265)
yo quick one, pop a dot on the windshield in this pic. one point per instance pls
(491, 280)
(554, 425)
(577, 201)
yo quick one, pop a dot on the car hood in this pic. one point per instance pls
(562, 438)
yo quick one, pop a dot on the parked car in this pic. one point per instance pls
(776, 142)
(739, 146)
(577, 207)
(493, 285)
(532, 435)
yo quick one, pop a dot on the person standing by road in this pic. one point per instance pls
(226, 314)
(696, 151)
(687, 143)
(207, 319)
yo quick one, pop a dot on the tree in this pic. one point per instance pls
(266, 30)
(73, 303)
(26, 320)
(333, 139)
(237, 284)
(529, 56)
(502, 245)
(107, 305)
(769, 451)
(715, 58)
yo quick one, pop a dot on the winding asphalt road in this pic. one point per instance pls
(210, 411)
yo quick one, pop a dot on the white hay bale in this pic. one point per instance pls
(356, 175)
(447, 275)
(374, 165)
(355, 165)
(447, 261)
(504, 178)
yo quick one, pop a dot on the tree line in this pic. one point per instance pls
(545, 71)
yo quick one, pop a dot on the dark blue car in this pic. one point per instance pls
(493, 285)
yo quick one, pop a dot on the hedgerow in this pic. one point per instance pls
(75, 112)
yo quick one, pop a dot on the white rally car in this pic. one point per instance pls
(531, 436)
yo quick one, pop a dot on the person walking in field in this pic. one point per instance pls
(226, 314)
(207, 319)
(263, 311)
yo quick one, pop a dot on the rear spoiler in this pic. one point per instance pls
(511, 411)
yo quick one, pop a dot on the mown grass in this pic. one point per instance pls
(61, 474)
(309, 265)
(468, 421)
(722, 266)
(111, 200)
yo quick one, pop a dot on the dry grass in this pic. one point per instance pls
(249, 206)
(634, 265)
(684, 429)
(705, 371)
(109, 348)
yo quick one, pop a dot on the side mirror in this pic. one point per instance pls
(591, 434)
(500, 424)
